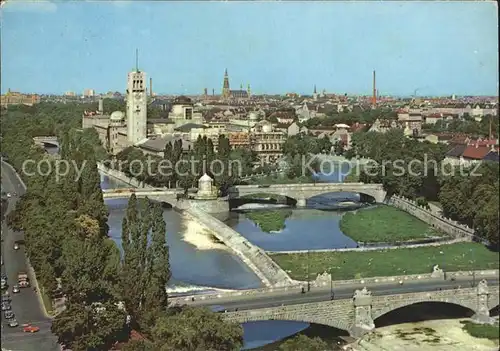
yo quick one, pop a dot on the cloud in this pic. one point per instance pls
(28, 6)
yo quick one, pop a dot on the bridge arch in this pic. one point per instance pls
(337, 323)
(464, 308)
(495, 311)
(262, 197)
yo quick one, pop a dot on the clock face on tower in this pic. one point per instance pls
(138, 96)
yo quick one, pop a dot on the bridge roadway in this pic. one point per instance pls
(293, 295)
(357, 312)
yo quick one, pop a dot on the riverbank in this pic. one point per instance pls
(438, 335)
(385, 224)
(464, 256)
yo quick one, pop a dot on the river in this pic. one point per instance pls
(199, 264)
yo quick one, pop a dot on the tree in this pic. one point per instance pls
(158, 266)
(96, 327)
(304, 343)
(174, 332)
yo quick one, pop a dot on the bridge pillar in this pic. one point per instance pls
(363, 321)
(482, 315)
(301, 202)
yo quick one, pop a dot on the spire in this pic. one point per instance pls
(137, 60)
(241, 86)
(225, 73)
(315, 89)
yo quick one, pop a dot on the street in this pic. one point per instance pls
(26, 304)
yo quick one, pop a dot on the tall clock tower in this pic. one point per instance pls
(136, 107)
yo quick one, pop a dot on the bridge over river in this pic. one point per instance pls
(354, 311)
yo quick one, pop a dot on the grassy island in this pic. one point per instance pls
(385, 224)
(483, 331)
(355, 265)
(269, 221)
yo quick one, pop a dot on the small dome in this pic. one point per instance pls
(228, 113)
(205, 178)
(182, 100)
(117, 116)
(254, 116)
(267, 128)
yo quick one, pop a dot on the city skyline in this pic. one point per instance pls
(185, 47)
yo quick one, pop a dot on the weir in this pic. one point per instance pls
(199, 210)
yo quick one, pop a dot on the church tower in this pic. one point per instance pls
(315, 94)
(249, 92)
(136, 105)
(225, 87)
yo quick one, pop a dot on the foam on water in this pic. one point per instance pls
(200, 237)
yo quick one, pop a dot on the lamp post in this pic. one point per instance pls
(473, 271)
(308, 282)
(332, 296)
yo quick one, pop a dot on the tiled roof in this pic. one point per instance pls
(492, 156)
(457, 151)
(475, 153)
(188, 126)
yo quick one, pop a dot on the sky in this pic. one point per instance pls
(433, 48)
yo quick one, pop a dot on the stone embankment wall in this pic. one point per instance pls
(265, 268)
(396, 246)
(322, 282)
(437, 221)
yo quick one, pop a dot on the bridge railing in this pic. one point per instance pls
(323, 284)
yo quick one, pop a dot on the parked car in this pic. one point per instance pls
(5, 298)
(15, 289)
(16, 246)
(27, 328)
(6, 306)
(8, 315)
(13, 323)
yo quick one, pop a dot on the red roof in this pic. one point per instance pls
(490, 142)
(476, 153)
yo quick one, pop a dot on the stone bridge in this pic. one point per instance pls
(42, 140)
(162, 195)
(302, 192)
(358, 315)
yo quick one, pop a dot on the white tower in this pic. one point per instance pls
(136, 106)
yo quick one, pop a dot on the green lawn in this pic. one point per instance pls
(385, 224)
(269, 221)
(355, 265)
(483, 331)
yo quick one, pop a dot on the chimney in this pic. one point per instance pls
(151, 87)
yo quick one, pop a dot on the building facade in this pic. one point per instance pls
(136, 107)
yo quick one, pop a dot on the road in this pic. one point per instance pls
(26, 305)
(296, 297)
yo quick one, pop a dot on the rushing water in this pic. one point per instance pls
(198, 264)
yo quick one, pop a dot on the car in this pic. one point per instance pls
(4, 276)
(13, 323)
(16, 246)
(15, 289)
(6, 306)
(9, 315)
(28, 328)
(9, 195)
(5, 298)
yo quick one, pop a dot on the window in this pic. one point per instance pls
(188, 113)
